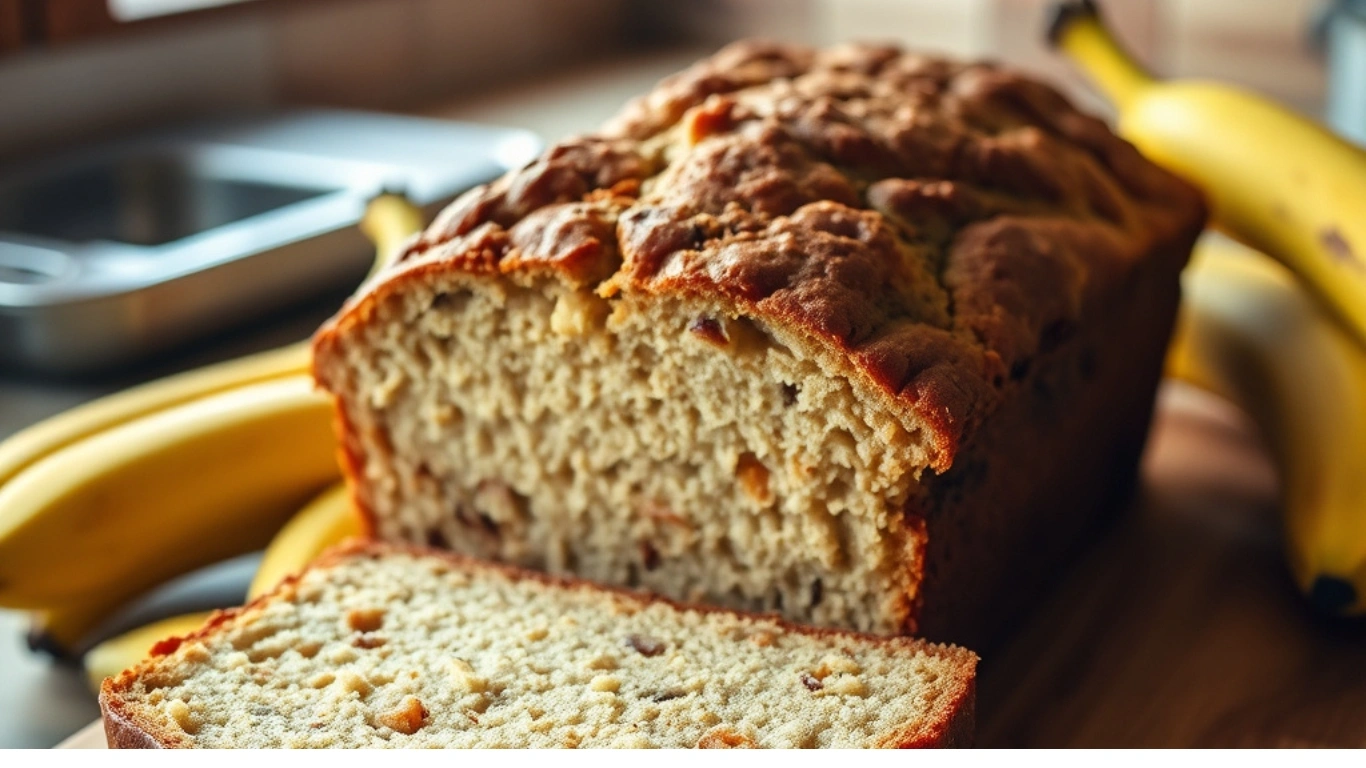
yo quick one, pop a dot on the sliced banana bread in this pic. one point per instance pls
(864, 337)
(379, 646)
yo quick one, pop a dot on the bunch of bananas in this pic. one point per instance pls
(1283, 341)
(109, 500)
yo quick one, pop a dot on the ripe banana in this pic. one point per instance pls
(1276, 181)
(29, 446)
(118, 513)
(119, 653)
(1248, 332)
(68, 630)
(327, 520)
(61, 631)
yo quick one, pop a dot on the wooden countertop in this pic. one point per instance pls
(1180, 627)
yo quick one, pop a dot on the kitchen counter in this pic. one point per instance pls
(1178, 628)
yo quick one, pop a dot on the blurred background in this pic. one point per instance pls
(74, 70)
(164, 203)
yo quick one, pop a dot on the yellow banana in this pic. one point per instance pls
(119, 653)
(60, 631)
(1249, 333)
(328, 519)
(1276, 181)
(29, 446)
(388, 221)
(130, 507)
(69, 629)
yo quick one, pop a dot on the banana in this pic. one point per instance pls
(68, 630)
(60, 631)
(328, 519)
(1247, 332)
(119, 653)
(29, 446)
(118, 513)
(1276, 181)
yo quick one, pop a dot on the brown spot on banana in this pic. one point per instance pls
(1338, 247)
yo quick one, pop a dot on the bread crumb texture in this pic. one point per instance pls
(498, 661)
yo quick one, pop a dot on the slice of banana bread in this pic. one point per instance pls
(380, 646)
(860, 336)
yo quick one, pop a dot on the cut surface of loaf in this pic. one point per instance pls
(773, 339)
(379, 646)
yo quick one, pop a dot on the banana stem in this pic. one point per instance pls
(1080, 34)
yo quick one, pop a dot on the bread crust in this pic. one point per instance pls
(958, 732)
(999, 531)
(125, 730)
(121, 732)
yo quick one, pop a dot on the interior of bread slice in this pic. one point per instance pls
(397, 648)
(657, 442)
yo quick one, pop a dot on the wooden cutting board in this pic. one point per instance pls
(1180, 627)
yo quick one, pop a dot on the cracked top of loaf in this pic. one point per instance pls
(937, 223)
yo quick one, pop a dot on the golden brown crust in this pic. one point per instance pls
(125, 730)
(351, 459)
(934, 224)
(955, 733)
(120, 732)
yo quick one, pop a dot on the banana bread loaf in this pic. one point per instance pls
(863, 337)
(377, 646)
